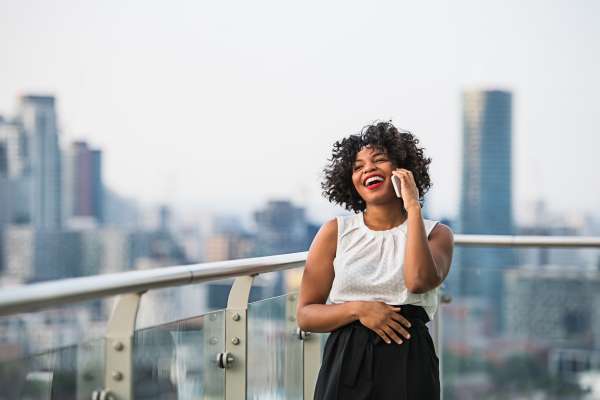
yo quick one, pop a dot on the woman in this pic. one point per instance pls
(380, 268)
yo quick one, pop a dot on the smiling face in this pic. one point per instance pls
(372, 175)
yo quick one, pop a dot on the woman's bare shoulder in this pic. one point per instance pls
(330, 229)
(326, 237)
(443, 232)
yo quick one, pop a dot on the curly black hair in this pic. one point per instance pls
(402, 149)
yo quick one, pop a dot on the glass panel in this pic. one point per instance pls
(178, 360)
(529, 332)
(72, 372)
(52, 328)
(164, 305)
(275, 368)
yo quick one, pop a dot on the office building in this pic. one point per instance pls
(31, 255)
(14, 200)
(229, 246)
(84, 194)
(553, 305)
(37, 116)
(282, 229)
(486, 200)
(486, 196)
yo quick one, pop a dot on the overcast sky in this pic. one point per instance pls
(222, 105)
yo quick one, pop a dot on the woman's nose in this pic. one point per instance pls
(369, 168)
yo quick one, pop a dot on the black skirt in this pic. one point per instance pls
(359, 365)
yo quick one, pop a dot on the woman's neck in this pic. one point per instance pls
(385, 216)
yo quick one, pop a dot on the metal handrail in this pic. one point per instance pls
(526, 241)
(66, 291)
(73, 290)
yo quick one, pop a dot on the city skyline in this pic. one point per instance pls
(78, 158)
(135, 137)
(163, 113)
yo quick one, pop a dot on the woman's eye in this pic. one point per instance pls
(357, 168)
(381, 159)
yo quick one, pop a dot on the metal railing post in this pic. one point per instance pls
(293, 350)
(437, 336)
(312, 363)
(437, 322)
(234, 359)
(213, 336)
(437, 330)
(118, 349)
(311, 359)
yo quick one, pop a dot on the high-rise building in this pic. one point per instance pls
(229, 246)
(15, 190)
(282, 229)
(84, 194)
(13, 149)
(32, 255)
(486, 196)
(486, 201)
(14, 199)
(37, 116)
(559, 306)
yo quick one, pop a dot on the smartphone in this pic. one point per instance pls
(397, 185)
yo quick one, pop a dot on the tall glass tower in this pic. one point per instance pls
(38, 117)
(486, 196)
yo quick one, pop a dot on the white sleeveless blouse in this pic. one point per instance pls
(369, 265)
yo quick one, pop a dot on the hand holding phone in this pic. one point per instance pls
(397, 185)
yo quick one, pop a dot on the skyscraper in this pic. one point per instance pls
(486, 199)
(282, 228)
(38, 118)
(486, 196)
(14, 173)
(84, 194)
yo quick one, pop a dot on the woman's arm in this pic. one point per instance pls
(316, 316)
(427, 260)
(313, 314)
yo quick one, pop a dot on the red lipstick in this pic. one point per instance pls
(369, 176)
(376, 185)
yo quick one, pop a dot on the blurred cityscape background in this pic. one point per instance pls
(190, 157)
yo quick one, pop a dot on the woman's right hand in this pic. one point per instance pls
(383, 319)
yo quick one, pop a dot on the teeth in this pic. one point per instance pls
(373, 180)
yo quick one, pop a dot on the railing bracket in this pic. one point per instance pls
(224, 359)
(118, 356)
(302, 335)
(102, 395)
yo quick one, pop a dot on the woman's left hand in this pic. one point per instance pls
(409, 191)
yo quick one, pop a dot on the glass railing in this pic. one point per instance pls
(506, 333)
(275, 365)
(178, 360)
(72, 372)
(537, 337)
